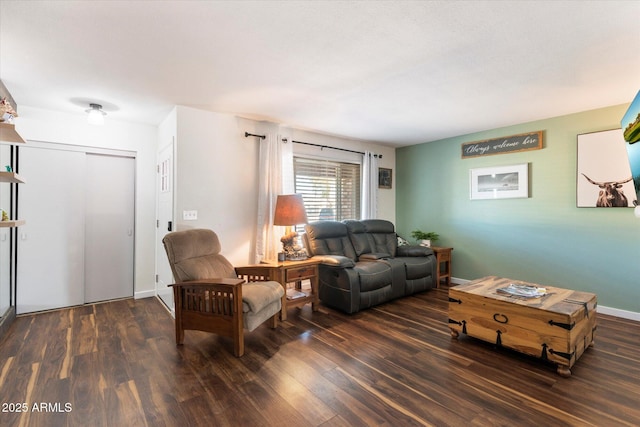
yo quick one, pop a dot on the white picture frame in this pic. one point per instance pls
(499, 182)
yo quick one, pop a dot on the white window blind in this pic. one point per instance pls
(330, 189)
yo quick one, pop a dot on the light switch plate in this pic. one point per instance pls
(189, 215)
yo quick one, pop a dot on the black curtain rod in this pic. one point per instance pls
(247, 134)
(334, 148)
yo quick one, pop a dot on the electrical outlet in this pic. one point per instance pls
(189, 215)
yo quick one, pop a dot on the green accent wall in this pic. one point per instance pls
(544, 238)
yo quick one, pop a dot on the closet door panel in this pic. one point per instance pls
(109, 230)
(50, 268)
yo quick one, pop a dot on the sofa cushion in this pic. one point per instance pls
(329, 238)
(416, 267)
(372, 236)
(373, 275)
(361, 241)
(383, 235)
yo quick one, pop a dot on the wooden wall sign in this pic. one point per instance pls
(503, 145)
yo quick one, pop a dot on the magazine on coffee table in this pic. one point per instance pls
(524, 291)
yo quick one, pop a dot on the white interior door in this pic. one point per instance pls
(50, 269)
(109, 227)
(164, 197)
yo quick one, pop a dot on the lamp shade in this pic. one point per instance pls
(290, 210)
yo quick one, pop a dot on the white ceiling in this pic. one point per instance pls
(395, 72)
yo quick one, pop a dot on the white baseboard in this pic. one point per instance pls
(144, 294)
(631, 315)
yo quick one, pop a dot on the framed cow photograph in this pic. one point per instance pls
(604, 176)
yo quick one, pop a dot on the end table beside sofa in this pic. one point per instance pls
(443, 256)
(288, 272)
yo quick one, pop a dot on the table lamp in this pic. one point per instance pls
(289, 212)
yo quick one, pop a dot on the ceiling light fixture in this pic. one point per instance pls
(95, 115)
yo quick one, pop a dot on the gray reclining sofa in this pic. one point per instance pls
(363, 266)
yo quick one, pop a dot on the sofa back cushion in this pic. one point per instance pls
(373, 236)
(328, 238)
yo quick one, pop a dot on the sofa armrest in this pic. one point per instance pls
(335, 261)
(414, 250)
(374, 256)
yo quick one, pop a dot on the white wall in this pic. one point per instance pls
(51, 126)
(217, 171)
(217, 174)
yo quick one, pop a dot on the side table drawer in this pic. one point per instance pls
(294, 274)
(444, 256)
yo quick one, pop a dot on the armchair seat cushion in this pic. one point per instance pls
(257, 295)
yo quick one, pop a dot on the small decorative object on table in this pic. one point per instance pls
(423, 238)
(524, 291)
(293, 250)
(7, 113)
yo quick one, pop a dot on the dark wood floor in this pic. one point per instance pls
(116, 364)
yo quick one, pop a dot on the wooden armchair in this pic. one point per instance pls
(211, 295)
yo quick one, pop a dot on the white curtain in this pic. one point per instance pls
(275, 177)
(369, 185)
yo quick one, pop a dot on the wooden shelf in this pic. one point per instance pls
(11, 177)
(12, 223)
(8, 134)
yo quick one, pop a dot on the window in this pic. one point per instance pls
(330, 189)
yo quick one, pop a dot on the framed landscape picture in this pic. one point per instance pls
(631, 132)
(499, 182)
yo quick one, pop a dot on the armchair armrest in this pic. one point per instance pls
(214, 281)
(416, 250)
(213, 305)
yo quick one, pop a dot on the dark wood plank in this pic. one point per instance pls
(116, 363)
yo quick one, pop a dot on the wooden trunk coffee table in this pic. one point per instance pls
(557, 327)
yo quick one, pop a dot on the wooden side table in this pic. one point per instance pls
(294, 272)
(443, 256)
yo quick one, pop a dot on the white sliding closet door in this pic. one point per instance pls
(109, 225)
(77, 245)
(50, 271)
